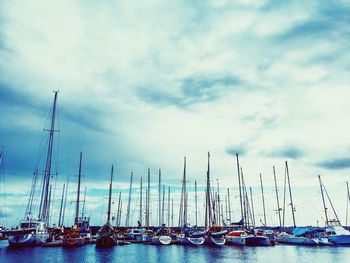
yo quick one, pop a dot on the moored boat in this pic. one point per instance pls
(258, 238)
(236, 237)
(191, 236)
(338, 235)
(215, 236)
(162, 236)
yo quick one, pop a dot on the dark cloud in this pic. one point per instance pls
(233, 149)
(193, 90)
(335, 164)
(290, 152)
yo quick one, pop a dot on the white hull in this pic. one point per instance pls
(27, 239)
(161, 240)
(297, 240)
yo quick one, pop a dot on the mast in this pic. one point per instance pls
(240, 190)
(347, 203)
(127, 221)
(83, 210)
(229, 204)
(183, 208)
(208, 219)
(278, 202)
(168, 222)
(218, 202)
(78, 193)
(44, 203)
(329, 199)
(263, 199)
(172, 212)
(32, 193)
(251, 200)
(65, 202)
(141, 214)
(290, 195)
(159, 197)
(118, 210)
(244, 191)
(148, 197)
(61, 207)
(163, 221)
(196, 201)
(110, 198)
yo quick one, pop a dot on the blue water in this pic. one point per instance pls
(175, 253)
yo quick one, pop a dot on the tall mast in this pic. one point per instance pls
(172, 212)
(251, 200)
(141, 212)
(196, 201)
(208, 219)
(45, 204)
(110, 198)
(263, 199)
(127, 221)
(183, 207)
(290, 195)
(229, 204)
(65, 202)
(78, 194)
(347, 203)
(218, 203)
(61, 207)
(32, 193)
(83, 210)
(168, 221)
(240, 190)
(159, 197)
(278, 202)
(244, 191)
(162, 218)
(148, 197)
(118, 210)
(324, 203)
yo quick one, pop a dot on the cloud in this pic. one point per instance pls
(335, 164)
(289, 152)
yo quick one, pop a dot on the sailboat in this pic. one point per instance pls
(162, 236)
(106, 236)
(298, 236)
(73, 237)
(33, 231)
(335, 232)
(215, 234)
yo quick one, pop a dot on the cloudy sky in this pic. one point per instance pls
(144, 83)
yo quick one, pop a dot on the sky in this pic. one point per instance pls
(144, 83)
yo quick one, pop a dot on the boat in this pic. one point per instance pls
(215, 236)
(338, 235)
(72, 237)
(258, 238)
(55, 238)
(236, 237)
(106, 236)
(32, 231)
(191, 236)
(285, 238)
(162, 236)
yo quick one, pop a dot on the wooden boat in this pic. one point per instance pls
(236, 237)
(72, 238)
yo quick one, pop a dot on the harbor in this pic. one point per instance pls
(184, 131)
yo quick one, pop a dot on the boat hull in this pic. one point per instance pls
(257, 241)
(191, 241)
(293, 240)
(73, 242)
(27, 240)
(236, 240)
(105, 242)
(214, 241)
(161, 240)
(343, 240)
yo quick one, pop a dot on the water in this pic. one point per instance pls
(175, 253)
